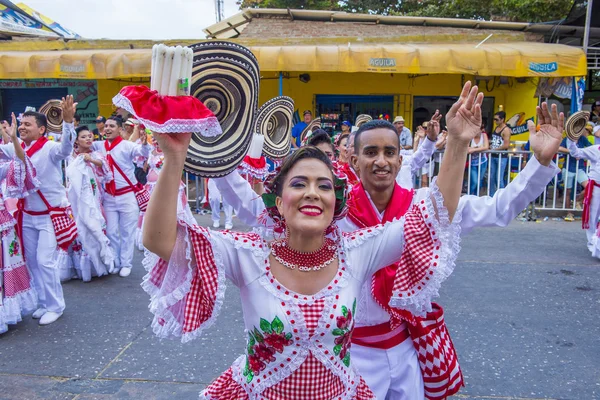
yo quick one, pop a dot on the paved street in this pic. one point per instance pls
(522, 307)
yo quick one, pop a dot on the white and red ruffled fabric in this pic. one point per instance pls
(168, 114)
(17, 295)
(255, 168)
(298, 345)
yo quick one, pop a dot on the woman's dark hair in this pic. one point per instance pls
(501, 115)
(80, 129)
(320, 136)
(342, 137)
(303, 153)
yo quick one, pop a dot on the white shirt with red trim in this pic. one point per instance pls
(124, 154)
(48, 165)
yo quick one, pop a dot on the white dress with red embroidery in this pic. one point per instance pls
(91, 253)
(298, 346)
(17, 295)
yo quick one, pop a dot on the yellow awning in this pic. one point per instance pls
(517, 59)
(78, 64)
(495, 59)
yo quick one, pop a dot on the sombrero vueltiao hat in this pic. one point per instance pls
(225, 77)
(314, 124)
(362, 119)
(53, 112)
(274, 121)
(575, 125)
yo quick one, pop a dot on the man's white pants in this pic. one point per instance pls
(122, 214)
(39, 241)
(593, 242)
(392, 374)
(214, 198)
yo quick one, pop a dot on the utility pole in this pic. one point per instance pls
(586, 32)
(219, 10)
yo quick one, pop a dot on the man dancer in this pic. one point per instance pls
(37, 231)
(120, 204)
(382, 347)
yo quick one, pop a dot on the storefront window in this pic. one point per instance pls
(335, 109)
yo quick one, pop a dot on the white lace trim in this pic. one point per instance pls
(355, 239)
(208, 127)
(13, 309)
(256, 173)
(446, 245)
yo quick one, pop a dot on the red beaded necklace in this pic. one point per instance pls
(305, 262)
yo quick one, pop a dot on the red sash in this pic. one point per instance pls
(61, 217)
(362, 214)
(36, 146)
(587, 202)
(111, 187)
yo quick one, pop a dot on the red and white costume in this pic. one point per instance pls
(17, 295)
(412, 162)
(395, 371)
(39, 237)
(298, 345)
(120, 204)
(92, 253)
(591, 202)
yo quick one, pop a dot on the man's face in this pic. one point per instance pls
(100, 126)
(307, 118)
(29, 129)
(111, 129)
(377, 159)
(399, 126)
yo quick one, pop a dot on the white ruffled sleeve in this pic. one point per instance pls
(186, 293)
(21, 178)
(423, 249)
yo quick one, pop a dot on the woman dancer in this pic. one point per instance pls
(17, 296)
(299, 293)
(92, 254)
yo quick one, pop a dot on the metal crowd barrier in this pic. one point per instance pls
(553, 198)
(480, 180)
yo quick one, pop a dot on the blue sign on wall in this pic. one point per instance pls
(543, 67)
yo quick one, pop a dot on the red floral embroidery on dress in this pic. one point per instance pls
(263, 344)
(343, 333)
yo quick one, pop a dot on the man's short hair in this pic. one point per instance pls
(77, 117)
(118, 120)
(40, 119)
(320, 136)
(369, 126)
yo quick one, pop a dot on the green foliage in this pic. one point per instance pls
(509, 10)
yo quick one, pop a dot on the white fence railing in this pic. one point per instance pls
(488, 171)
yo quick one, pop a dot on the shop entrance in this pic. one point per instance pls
(424, 107)
(334, 109)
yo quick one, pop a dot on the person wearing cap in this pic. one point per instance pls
(99, 131)
(595, 115)
(129, 125)
(406, 140)
(299, 127)
(346, 126)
